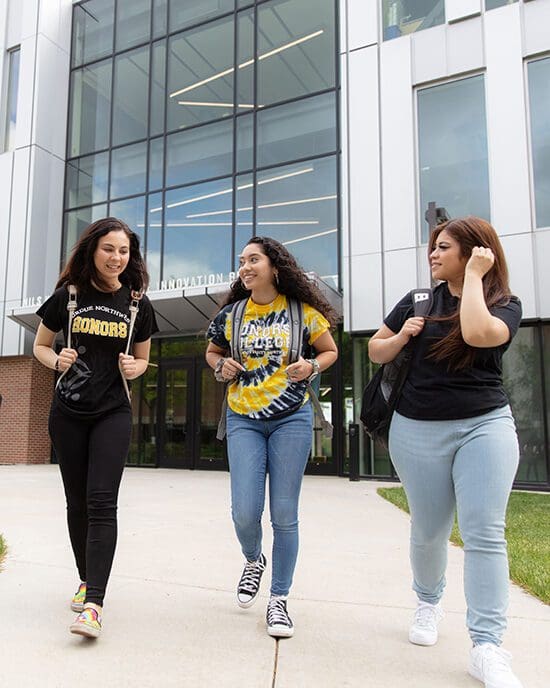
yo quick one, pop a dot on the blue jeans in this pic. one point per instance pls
(280, 448)
(468, 465)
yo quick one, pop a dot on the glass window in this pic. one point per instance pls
(523, 383)
(405, 16)
(156, 163)
(131, 96)
(453, 149)
(194, 228)
(128, 170)
(245, 61)
(196, 11)
(93, 23)
(245, 142)
(11, 105)
(159, 18)
(86, 180)
(539, 104)
(297, 205)
(201, 74)
(90, 109)
(133, 23)
(153, 253)
(297, 130)
(296, 49)
(200, 153)
(76, 222)
(158, 88)
(244, 203)
(131, 211)
(492, 4)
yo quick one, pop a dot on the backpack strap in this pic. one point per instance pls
(71, 308)
(136, 297)
(296, 319)
(422, 301)
(236, 314)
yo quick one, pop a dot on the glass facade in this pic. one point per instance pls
(493, 4)
(452, 150)
(401, 17)
(201, 124)
(12, 93)
(539, 106)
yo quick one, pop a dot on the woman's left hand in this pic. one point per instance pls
(302, 369)
(481, 261)
(127, 365)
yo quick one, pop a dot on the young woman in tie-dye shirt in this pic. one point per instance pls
(269, 415)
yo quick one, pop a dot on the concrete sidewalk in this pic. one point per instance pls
(170, 614)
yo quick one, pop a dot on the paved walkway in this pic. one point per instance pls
(171, 619)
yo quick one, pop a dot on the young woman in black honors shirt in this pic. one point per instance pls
(90, 418)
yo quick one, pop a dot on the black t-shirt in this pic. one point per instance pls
(432, 391)
(101, 320)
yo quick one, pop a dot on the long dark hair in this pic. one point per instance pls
(292, 280)
(469, 232)
(81, 271)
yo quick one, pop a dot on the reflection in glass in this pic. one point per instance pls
(212, 395)
(76, 222)
(243, 213)
(297, 130)
(130, 96)
(245, 142)
(539, 105)
(92, 30)
(297, 205)
(245, 61)
(453, 149)
(128, 170)
(199, 153)
(12, 92)
(296, 49)
(196, 11)
(197, 235)
(159, 18)
(520, 363)
(133, 23)
(200, 74)
(90, 109)
(175, 427)
(156, 163)
(406, 16)
(143, 447)
(492, 4)
(86, 180)
(158, 90)
(132, 212)
(154, 240)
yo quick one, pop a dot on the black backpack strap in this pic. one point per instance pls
(422, 301)
(236, 314)
(296, 321)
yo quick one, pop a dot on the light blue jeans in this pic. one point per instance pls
(280, 448)
(468, 465)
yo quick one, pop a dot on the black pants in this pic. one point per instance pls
(91, 455)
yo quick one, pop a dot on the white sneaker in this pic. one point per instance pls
(279, 623)
(249, 584)
(491, 665)
(423, 630)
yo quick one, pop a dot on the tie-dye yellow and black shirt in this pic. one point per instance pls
(263, 390)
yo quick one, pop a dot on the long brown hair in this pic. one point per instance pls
(292, 280)
(469, 232)
(80, 269)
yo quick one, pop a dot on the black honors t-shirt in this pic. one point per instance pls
(432, 391)
(93, 385)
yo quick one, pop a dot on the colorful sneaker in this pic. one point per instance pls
(279, 623)
(249, 585)
(423, 630)
(491, 665)
(88, 622)
(77, 603)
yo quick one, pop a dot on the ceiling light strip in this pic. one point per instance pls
(310, 236)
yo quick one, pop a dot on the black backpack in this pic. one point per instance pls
(383, 390)
(295, 316)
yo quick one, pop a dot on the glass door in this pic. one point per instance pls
(175, 418)
(210, 452)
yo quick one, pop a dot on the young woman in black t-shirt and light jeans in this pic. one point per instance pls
(90, 419)
(452, 438)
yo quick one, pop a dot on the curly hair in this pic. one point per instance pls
(81, 271)
(292, 280)
(469, 232)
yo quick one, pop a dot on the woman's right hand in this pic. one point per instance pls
(66, 358)
(412, 327)
(231, 368)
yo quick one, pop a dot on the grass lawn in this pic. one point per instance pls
(3, 550)
(527, 533)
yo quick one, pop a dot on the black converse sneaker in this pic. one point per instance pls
(279, 623)
(249, 585)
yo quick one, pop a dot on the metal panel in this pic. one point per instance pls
(363, 23)
(399, 276)
(429, 54)
(455, 10)
(366, 278)
(519, 256)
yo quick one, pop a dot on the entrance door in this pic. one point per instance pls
(189, 407)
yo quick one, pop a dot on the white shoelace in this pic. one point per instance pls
(251, 576)
(277, 614)
(425, 617)
(497, 657)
